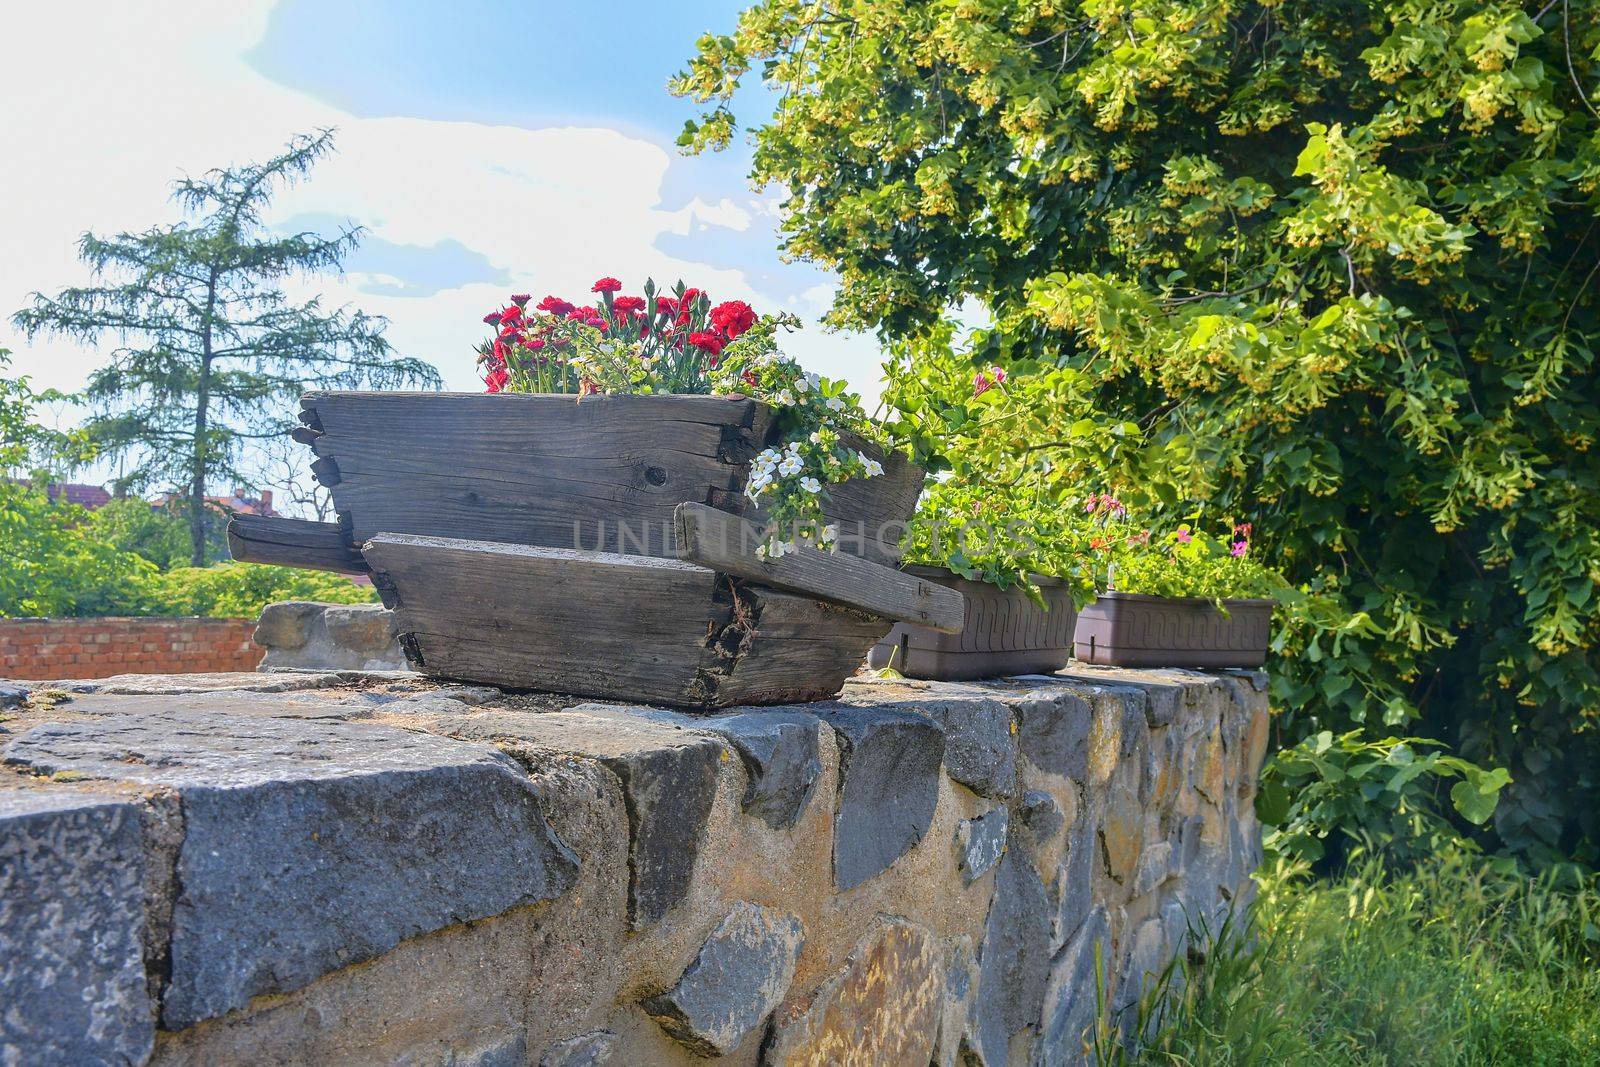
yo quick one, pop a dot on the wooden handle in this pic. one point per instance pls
(293, 543)
(727, 543)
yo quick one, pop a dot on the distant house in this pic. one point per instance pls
(86, 496)
(236, 503)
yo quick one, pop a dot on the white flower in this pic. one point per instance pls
(778, 549)
(761, 550)
(874, 468)
(801, 385)
(835, 404)
(830, 533)
(784, 398)
(816, 438)
(791, 465)
(810, 485)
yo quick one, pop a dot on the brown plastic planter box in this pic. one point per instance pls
(1134, 630)
(1005, 633)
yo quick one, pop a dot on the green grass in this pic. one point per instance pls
(1457, 962)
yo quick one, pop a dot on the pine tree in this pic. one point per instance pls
(211, 351)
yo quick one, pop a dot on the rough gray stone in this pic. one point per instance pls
(1041, 815)
(960, 989)
(781, 752)
(669, 793)
(12, 694)
(1053, 732)
(286, 624)
(668, 775)
(1014, 959)
(1071, 1000)
(72, 981)
(1155, 868)
(741, 974)
(888, 786)
(306, 635)
(506, 1052)
(979, 843)
(253, 681)
(1076, 881)
(365, 835)
(592, 1049)
(980, 751)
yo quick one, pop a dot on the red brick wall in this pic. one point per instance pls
(97, 648)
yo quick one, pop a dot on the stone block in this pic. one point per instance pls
(310, 845)
(72, 980)
(980, 749)
(1014, 959)
(1053, 732)
(882, 1008)
(979, 843)
(1070, 998)
(287, 624)
(668, 775)
(889, 765)
(781, 753)
(740, 974)
(1041, 815)
(12, 694)
(592, 1049)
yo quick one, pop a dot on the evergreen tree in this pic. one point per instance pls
(211, 350)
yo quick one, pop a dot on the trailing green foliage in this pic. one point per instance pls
(1456, 962)
(1338, 793)
(1325, 267)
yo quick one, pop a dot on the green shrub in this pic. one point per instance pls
(240, 589)
(1458, 961)
(1325, 266)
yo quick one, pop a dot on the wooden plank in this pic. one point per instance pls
(635, 628)
(293, 543)
(728, 543)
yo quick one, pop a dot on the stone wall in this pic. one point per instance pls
(307, 635)
(367, 868)
(104, 646)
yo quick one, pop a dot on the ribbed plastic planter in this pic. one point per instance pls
(1135, 630)
(1005, 633)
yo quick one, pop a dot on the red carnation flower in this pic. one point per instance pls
(666, 305)
(706, 341)
(733, 318)
(606, 285)
(511, 314)
(554, 305)
(690, 296)
(497, 379)
(492, 319)
(521, 298)
(628, 304)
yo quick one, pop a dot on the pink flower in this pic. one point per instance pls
(999, 375)
(555, 305)
(521, 299)
(981, 384)
(606, 285)
(1184, 536)
(492, 319)
(596, 321)
(1240, 548)
(536, 344)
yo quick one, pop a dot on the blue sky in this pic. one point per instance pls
(487, 146)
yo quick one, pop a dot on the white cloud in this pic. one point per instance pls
(106, 104)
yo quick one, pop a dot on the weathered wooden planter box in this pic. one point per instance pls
(602, 548)
(1134, 630)
(1003, 632)
(603, 474)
